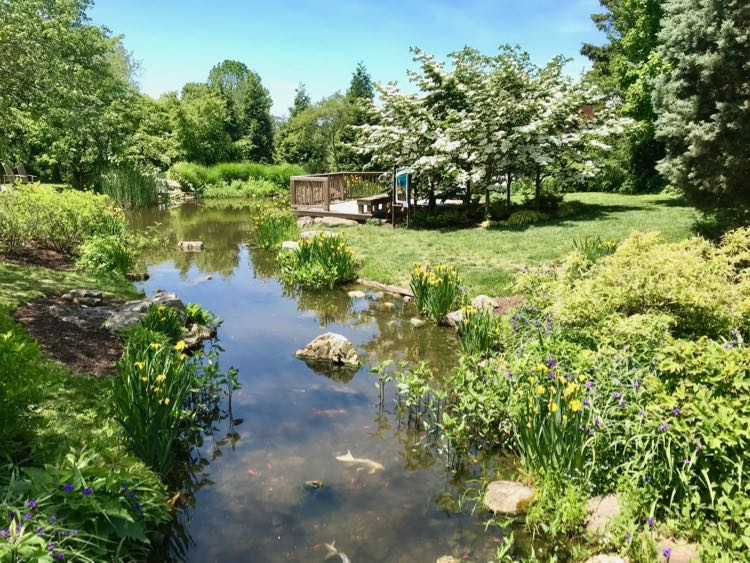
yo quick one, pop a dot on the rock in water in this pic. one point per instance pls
(191, 245)
(601, 510)
(290, 245)
(416, 322)
(196, 335)
(356, 294)
(453, 319)
(330, 347)
(508, 497)
(132, 311)
(304, 222)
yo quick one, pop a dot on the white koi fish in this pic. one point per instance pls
(349, 458)
(331, 551)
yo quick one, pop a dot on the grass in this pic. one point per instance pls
(487, 259)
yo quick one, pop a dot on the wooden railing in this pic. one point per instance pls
(319, 190)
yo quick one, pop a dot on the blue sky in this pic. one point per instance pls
(319, 43)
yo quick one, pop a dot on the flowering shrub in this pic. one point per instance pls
(163, 320)
(478, 331)
(272, 226)
(437, 289)
(321, 261)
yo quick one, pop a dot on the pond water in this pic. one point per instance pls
(288, 422)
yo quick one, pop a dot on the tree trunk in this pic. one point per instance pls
(509, 181)
(431, 196)
(538, 187)
(487, 202)
(467, 195)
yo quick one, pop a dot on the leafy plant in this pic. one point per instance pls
(163, 320)
(195, 314)
(198, 177)
(478, 331)
(321, 261)
(525, 217)
(106, 253)
(251, 188)
(437, 289)
(272, 226)
(129, 187)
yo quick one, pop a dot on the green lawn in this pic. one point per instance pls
(21, 284)
(488, 259)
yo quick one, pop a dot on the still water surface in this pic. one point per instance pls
(288, 422)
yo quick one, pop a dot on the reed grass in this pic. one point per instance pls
(129, 188)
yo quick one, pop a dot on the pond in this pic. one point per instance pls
(289, 422)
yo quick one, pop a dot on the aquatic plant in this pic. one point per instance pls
(163, 320)
(272, 226)
(478, 331)
(251, 188)
(321, 261)
(198, 177)
(437, 289)
(195, 314)
(129, 187)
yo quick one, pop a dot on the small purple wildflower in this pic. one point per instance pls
(31, 504)
(68, 487)
(73, 532)
(591, 431)
(137, 506)
(676, 411)
(650, 521)
(685, 461)
(50, 547)
(649, 479)
(87, 491)
(622, 404)
(616, 395)
(40, 531)
(641, 412)
(662, 427)
(628, 537)
(598, 423)
(589, 384)
(667, 553)
(59, 556)
(132, 494)
(586, 402)
(28, 516)
(636, 384)
(4, 533)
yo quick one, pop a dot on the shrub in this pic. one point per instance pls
(273, 226)
(163, 320)
(321, 261)
(108, 253)
(254, 188)
(197, 315)
(148, 397)
(437, 289)
(478, 331)
(525, 217)
(129, 187)
(198, 178)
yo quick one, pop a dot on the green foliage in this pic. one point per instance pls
(273, 226)
(197, 177)
(105, 253)
(525, 217)
(163, 320)
(321, 261)
(702, 101)
(37, 215)
(251, 188)
(149, 395)
(87, 507)
(478, 331)
(129, 187)
(437, 289)
(195, 314)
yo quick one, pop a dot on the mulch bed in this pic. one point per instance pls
(44, 257)
(505, 304)
(90, 351)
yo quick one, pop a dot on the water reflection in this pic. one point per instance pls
(244, 488)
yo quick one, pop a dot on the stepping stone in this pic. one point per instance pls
(304, 221)
(357, 294)
(416, 322)
(601, 510)
(335, 222)
(191, 245)
(508, 497)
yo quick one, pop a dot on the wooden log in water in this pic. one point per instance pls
(394, 289)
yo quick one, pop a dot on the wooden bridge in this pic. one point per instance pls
(350, 195)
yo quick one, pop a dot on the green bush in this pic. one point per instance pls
(38, 215)
(106, 253)
(129, 187)
(198, 178)
(525, 217)
(252, 188)
(197, 315)
(273, 226)
(321, 261)
(148, 397)
(437, 289)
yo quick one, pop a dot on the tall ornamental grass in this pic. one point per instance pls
(321, 261)
(198, 177)
(129, 188)
(437, 289)
(478, 331)
(148, 396)
(272, 226)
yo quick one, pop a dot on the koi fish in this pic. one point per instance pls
(349, 458)
(331, 551)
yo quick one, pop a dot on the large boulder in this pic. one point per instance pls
(196, 335)
(453, 319)
(132, 311)
(601, 510)
(310, 234)
(508, 497)
(290, 245)
(330, 347)
(483, 302)
(335, 222)
(357, 294)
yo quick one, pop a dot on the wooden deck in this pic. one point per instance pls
(349, 195)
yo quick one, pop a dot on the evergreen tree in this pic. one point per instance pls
(703, 102)
(301, 102)
(361, 86)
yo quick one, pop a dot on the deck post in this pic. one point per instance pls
(327, 194)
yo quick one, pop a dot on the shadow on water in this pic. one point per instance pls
(242, 490)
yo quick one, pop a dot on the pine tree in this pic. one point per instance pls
(301, 102)
(361, 86)
(703, 102)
